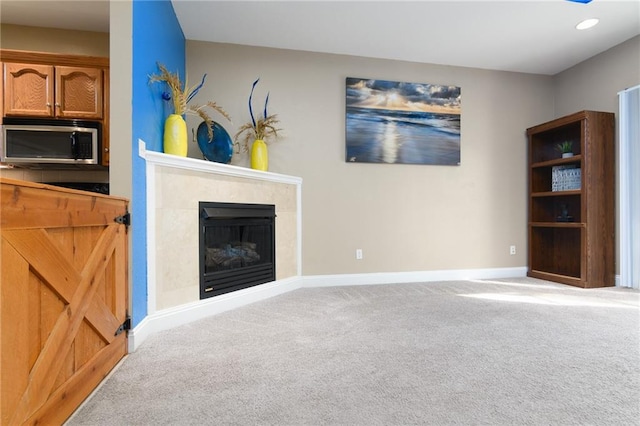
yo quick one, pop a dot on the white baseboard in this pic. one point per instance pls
(189, 312)
(184, 314)
(411, 277)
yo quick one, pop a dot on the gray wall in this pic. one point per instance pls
(120, 67)
(53, 40)
(403, 217)
(594, 85)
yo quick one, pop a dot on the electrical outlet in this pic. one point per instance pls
(359, 254)
(512, 250)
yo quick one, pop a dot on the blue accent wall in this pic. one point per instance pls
(157, 37)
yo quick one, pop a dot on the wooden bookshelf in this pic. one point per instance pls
(572, 231)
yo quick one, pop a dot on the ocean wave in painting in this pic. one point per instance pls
(396, 136)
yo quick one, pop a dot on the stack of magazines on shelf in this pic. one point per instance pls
(565, 178)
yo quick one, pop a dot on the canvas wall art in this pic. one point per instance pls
(405, 123)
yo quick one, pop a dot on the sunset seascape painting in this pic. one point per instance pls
(402, 123)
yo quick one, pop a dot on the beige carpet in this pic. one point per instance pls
(489, 352)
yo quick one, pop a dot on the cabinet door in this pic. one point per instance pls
(28, 89)
(78, 92)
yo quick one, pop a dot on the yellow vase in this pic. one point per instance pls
(259, 155)
(175, 136)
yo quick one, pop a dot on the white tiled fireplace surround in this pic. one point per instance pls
(175, 186)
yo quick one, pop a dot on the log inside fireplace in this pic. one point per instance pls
(237, 246)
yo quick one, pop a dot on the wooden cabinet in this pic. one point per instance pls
(28, 90)
(39, 84)
(78, 92)
(53, 91)
(572, 200)
(64, 297)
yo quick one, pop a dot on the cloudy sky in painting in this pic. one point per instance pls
(393, 95)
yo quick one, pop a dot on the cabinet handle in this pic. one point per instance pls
(57, 104)
(48, 104)
(74, 145)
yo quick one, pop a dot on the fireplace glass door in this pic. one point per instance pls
(237, 246)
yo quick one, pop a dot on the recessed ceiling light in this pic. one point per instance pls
(587, 23)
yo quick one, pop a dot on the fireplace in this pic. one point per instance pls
(237, 246)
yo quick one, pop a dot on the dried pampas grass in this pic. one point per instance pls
(180, 95)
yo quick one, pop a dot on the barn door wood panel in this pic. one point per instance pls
(64, 296)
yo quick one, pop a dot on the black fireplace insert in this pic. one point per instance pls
(237, 246)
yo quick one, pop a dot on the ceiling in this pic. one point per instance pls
(518, 35)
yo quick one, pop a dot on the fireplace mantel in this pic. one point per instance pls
(175, 186)
(210, 167)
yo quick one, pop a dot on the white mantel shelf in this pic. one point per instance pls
(187, 163)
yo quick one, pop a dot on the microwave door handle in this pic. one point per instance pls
(74, 145)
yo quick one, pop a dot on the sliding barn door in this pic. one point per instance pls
(63, 283)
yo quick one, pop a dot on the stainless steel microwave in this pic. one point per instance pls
(46, 141)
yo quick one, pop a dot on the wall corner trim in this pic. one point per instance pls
(173, 317)
(411, 277)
